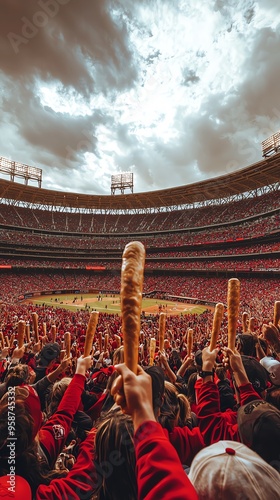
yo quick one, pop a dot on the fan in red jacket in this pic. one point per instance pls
(214, 424)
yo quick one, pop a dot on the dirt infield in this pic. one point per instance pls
(111, 304)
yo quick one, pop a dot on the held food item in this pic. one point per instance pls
(35, 326)
(53, 333)
(190, 341)
(216, 327)
(93, 320)
(162, 322)
(132, 275)
(118, 340)
(166, 344)
(245, 322)
(233, 300)
(106, 341)
(21, 332)
(67, 343)
(252, 325)
(2, 340)
(152, 351)
(100, 341)
(276, 316)
(27, 332)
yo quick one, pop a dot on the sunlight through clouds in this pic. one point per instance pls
(150, 86)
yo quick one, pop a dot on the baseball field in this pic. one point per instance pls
(111, 304)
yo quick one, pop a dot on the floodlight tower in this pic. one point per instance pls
(122, 181)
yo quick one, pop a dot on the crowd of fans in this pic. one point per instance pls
(193, 423)
(257, 295)
(194, 216)
(243, 230)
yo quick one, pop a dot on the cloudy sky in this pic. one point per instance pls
(175, 91)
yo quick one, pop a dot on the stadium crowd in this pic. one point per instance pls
(249, 229)
(189, 217)
(193, 423)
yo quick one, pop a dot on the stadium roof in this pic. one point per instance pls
(255, 177)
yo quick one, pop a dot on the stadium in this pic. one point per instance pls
(59, 247)
(139, 250)
(196, 237)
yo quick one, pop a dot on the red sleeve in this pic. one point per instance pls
(187, 442)
(248, 394)
(160, 474)
(80, 482)
(53, 433)
(213, 424)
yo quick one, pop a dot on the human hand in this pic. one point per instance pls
(36, 347)
(65, 363)
(162, 358)
(18, 353)
(208, 359)
(83, 364)
(133, 393)
(234, 360)
(4, 352)
(270, 334)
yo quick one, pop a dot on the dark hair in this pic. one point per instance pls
(17, 375)
(191, 389)
(35, 470)
(157, 375)
(114, 447)
(273, 397)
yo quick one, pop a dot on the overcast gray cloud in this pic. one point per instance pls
(175, 92)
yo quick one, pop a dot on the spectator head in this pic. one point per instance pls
(50, 353)
(114, 450)
(246, 344)
(18, 375)
(259, 428)
(272, 366)
(56, 394)
(256, 373)
(198, 360)
(28, 419)
(157, 375)
(231, 470)
(273, 397)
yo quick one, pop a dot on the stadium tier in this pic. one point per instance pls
(228, 226)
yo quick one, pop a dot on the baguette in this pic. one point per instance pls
(233, 300)
(276, 316)
(152, 351)
(21, 332)
(106, 341)
(2, 340)
(35, 326)
(245, 322)
(27, 332)
(217, 321)
(132, 275)
(53, 333)
(91, 328)
(190, 341)
(67, 344)
(162, 323)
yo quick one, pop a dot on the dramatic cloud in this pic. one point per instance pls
(175, 92)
